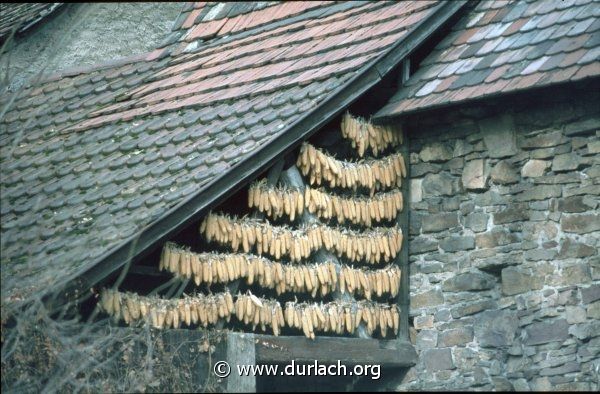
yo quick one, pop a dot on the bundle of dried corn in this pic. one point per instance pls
(225, 267)
(363, 135)
(253, 310)
(357, 210)
(318, 278)
(374, 174)
(275, 201)
(276, 241)
(373, 245)
(368, 282)
(341, 317)
(162, 313)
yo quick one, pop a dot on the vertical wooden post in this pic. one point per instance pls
(402, 221)
(240, 351)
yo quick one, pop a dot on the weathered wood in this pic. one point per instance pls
(292, 177)
(328, 350)
(402, 260)
(240, 351)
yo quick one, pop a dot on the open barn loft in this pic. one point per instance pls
(252, 174)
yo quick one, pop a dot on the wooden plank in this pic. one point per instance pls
(240, 351)
(328, 350)
(402, 260)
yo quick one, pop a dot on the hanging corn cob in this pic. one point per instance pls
(275, 202)
(315, 279)
(374, 174)
(364, 135)
(167, 313)
(250, 309)
(367, 282)
(374, 245)
(357, 210)
(341, 317)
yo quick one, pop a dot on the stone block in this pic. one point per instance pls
(582, 127)
(573, 249)
(573, 204)
(540, 254)
(504, 173)
(455, 337)
(576, 274)
(475, 175)
(580, 223)
(549, 153)
(585, 331)
(438, 359)
(546, 139)
(590, 294)
(521, 385)
(496, 328)
(420, 169)
(436, 152)
(437, 185)
(488, 198)
(422, 245)
(426, 299)
(421, 322)
(416, 193)
(593, 147)
(426, 339)
(566, 162)
(469, 281)
(512, 213)
(499, 136)
(477, 221)
(516, 281)
(495, 237)
(455, 243)
(546, 332)
(462, 148)
(540, 192)
(534, 168)
(575, 314)
(593, 310)
(439, 222)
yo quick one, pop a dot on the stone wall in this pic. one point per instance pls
(87, 34)
(505, 231)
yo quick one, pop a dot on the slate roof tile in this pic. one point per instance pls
(143, 135)
(521, 45)
(21, 16)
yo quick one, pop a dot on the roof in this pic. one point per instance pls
(101, 164)
(21, 16)
(503, 47)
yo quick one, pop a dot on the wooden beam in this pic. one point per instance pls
(402, 260)
(240, 351)
(328, 350)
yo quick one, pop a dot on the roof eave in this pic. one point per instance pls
(474, 100)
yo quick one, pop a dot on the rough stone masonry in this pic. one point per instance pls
(504, 237)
